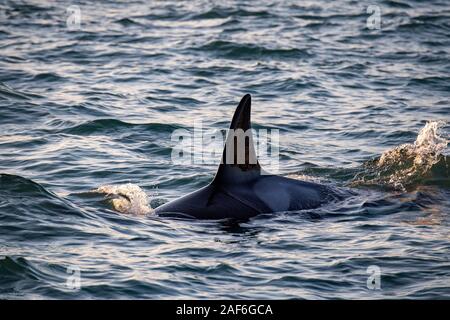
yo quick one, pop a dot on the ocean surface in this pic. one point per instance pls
(89, 99)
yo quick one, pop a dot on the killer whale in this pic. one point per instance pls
(241, 189)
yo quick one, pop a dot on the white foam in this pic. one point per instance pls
(427, 148)
(304, 177)
(127, 198)
(404, 164)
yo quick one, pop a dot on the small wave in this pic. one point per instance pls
(98, 125)
(47, 76)
(13, 273)
(436, 83)
(397, 4)
(234, 50)
(23, 197)
(127, 22)
(109, 125)
(407, 164)
(217, 13)
(126, 198)
(305, 177)
(18, 186)
(21, 276)
(7, 93)
(29, 211)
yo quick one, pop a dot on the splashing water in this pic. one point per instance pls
(305, 177)
(425, 151)
(127, 198)
(404, 165)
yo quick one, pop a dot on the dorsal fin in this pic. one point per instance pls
(239, 161)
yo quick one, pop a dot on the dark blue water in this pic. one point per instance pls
(86, 117)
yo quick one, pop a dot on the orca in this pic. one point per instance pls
(241, 189)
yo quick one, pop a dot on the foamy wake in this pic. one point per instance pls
(408, 162)
(304, 177)
(425, 151)
(127, 198)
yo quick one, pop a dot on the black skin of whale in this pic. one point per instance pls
(242, 191)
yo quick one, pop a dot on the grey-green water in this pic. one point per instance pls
(93, 108)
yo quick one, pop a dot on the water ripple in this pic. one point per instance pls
(86, 117)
